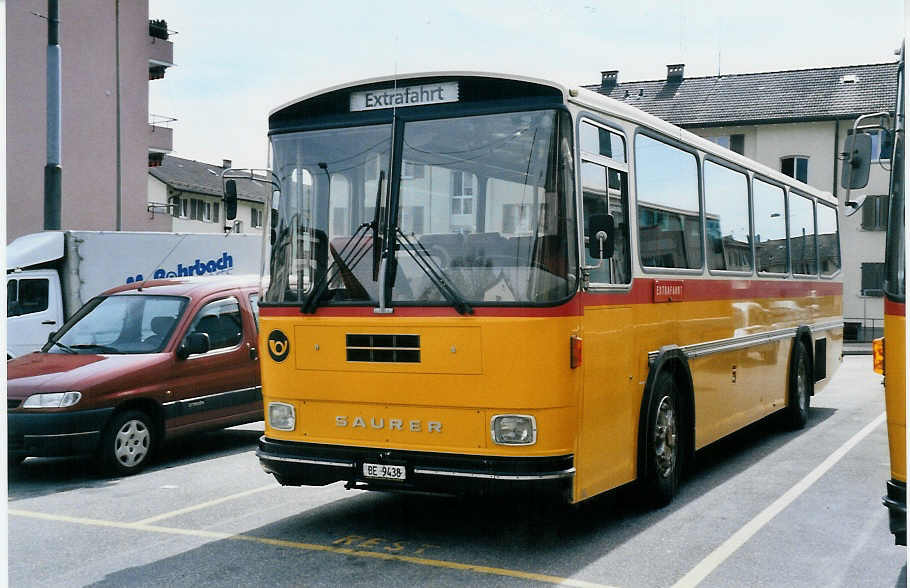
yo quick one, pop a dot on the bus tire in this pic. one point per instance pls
(127, 443)
(663, 447)
(799, 388)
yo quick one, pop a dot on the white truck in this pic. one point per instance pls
(50, 275)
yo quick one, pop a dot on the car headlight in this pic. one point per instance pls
(281, 416)
(513, 429)
(53, 400)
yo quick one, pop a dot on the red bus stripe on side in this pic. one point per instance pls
(895, 308)
(642, 292)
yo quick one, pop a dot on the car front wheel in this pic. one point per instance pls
(128, 441)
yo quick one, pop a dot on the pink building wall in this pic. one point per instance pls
(89, 115)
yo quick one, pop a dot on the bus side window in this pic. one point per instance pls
(802, 235)
(727, 218)
(770, 218)
(605, 191)
(669, 215)
(828, 241)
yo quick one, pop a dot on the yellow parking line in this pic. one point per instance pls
(311, 547)
(181, 511)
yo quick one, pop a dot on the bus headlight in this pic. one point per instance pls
(53, 400)
(281, 416)
(513, 429)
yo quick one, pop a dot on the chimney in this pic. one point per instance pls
(609, 78)
(675, 72)
(225, 163)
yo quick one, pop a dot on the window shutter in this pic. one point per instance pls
(869, 213)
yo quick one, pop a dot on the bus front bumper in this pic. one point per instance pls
(310, 464)
(896, 501)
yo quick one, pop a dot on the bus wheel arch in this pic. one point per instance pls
(669, 369)
(800, 381)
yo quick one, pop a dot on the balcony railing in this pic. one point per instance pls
(161, 135)
(161, 50)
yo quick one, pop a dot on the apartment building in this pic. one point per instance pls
(110, 53)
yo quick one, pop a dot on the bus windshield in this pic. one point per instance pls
(483, 209)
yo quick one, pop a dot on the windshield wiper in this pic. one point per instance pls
(425, 261)
(102, 348)
(345, 261)
(66, 348)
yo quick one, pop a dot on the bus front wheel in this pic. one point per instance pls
(799, 388)
(663, 447)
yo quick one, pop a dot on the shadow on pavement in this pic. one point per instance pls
(41, 476)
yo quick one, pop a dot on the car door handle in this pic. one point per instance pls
(253, 354)
(48, 322)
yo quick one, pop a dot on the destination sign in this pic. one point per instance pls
(407, 96)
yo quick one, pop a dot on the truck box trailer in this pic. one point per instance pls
(50, 275)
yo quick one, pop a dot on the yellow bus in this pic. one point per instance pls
(485, 283)
(894, 354)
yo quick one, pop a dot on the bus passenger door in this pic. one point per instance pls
(610, 398)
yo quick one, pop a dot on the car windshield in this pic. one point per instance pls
(120, 324)
(484, 212)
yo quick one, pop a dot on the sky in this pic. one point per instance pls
(237, 60)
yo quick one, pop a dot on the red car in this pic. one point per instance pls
(136, 365)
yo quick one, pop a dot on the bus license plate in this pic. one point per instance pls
(383, 471)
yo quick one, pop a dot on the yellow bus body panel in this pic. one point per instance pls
(896, 393)
(472, 368)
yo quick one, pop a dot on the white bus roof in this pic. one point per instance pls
(584, 98)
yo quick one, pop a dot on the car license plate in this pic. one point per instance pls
(383, 471)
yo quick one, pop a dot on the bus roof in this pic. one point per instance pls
(584, 98)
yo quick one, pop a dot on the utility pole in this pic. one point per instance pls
(53, 171)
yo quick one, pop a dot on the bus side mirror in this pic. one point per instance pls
(601, 236)
(857, 160)
(230, 200)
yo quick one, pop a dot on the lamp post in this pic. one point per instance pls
(53, 171)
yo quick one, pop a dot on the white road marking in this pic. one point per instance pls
(181, 511)
(728, 547)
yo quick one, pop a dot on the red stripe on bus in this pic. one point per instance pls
(642, 292)
(895, 308)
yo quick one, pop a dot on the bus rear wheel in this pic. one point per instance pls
(799, 388)
(663, 449)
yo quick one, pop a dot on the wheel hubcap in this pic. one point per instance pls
(131, 444)
(665, 437)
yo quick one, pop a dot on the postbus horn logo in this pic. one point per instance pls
(278, 345)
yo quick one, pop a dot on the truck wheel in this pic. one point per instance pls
(127, 443)
(799, 388)
(662, 443)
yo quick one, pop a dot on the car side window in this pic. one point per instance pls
(221, 321)
(254, 305)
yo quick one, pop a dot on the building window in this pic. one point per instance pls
(881, 144)
(873, 276)
(462, 193)
(184, 208)
(215, 208)
(735, 143)
(255, 218)
(796, 166)
(875, 213)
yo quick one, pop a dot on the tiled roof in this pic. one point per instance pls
(202, 178)
(779, 96)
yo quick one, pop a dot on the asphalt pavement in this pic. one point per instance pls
(764, 507)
